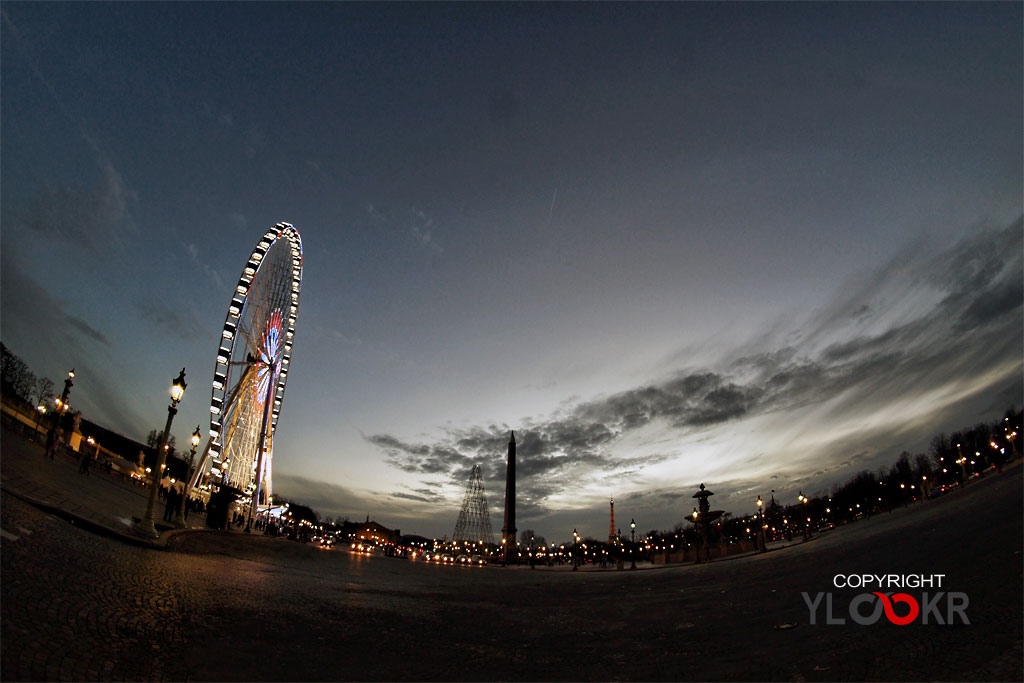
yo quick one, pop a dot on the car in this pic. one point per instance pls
(327, 541)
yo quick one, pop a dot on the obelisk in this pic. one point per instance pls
(510, 554)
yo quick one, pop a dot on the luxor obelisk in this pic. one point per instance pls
(510, 554)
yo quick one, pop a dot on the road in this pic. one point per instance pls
(217, 606)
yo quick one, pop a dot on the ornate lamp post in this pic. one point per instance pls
(40, 411)
(575, 550)
(632, 538)
(145, 525)
(807, 520)
(179, 519)
(61, 405)
(760, 514)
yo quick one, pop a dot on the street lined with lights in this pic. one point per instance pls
(194, 614)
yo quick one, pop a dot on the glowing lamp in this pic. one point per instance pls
(178, 386)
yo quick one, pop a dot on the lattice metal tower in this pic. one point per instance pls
(474, 521)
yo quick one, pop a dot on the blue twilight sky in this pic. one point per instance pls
(762, 246)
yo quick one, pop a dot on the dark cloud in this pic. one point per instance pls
(325, 498)
(88, 219)
(26, 301)
(87, 330)
(181, 323)
(975, 326)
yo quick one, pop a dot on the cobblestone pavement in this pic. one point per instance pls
(101, 501)
(222, 606)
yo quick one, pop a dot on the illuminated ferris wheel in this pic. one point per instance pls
(252, 365)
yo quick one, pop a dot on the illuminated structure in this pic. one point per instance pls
(508, 529)
(702, 518)
(370, 532)
(252, 367)
(474, 523)
(612, 537)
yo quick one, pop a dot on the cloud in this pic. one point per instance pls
(421, 231)
(40, 328)
(90, 219)
(26, 301)
(326, 498)
(961, 336)
(179, 321)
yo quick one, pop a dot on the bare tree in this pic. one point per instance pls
(15, 375)
(44, 390)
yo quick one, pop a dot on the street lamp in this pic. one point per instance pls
(179, 519)
(807, 523)
(145, 526)
(575, 550)
(62, 406)
(40, 411)
(760, 514)
(632, 538)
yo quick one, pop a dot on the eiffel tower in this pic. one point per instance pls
(474, 521)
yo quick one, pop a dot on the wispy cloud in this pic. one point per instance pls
(422, 231)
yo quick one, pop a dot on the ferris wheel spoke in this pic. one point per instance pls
(261, 320)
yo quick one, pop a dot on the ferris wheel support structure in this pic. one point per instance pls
(252, 365)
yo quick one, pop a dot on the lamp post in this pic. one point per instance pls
(61, 405)
(632, 538)
(1011, 436)
(807, 520)
(145, 526)
(760, 514)
(40, 411)
(575, 550)
(179, 519)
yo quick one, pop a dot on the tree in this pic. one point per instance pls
(44, 390)
(922, 467)
(526, 534)
(15, 375)
(153, 439)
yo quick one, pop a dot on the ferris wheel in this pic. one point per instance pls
(252, 365)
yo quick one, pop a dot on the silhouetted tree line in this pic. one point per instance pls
(298, 511)
(17, 380)
(950, 460)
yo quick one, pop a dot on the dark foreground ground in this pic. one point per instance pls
(218, 606)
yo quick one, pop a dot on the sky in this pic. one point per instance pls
(758, 246)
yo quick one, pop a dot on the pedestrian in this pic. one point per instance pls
(83, 465)
(51, 437)
(169, 508)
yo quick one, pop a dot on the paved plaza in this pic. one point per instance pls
(84, 604)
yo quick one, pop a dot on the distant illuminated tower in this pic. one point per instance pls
(474, 522)
(611, 527)
(508, 530)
